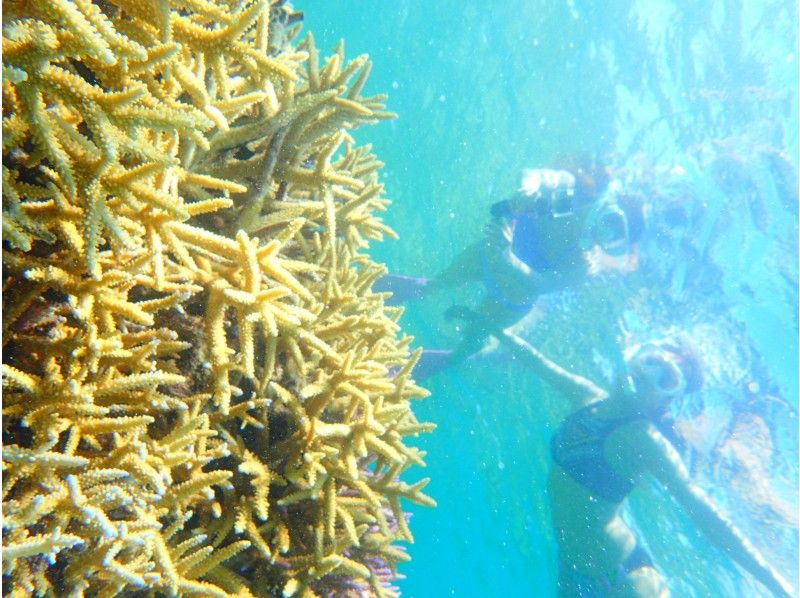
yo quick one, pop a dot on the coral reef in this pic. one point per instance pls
(202, 394)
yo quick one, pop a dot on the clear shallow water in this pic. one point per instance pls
(706, 91)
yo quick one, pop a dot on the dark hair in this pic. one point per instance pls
(591, 175)
(686, 355)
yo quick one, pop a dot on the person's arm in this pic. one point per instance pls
(577, 389)
(657, 455)
(499, 256)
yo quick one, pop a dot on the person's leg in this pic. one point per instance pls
(489, 318)
(478, 325)
(465, 267)
(644, 582)
(402, 288)
(639, 578)
(434, 361)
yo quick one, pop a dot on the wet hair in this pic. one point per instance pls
(591, 175)
(688, 358)
(686, 354)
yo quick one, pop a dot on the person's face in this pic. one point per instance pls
(657, 375)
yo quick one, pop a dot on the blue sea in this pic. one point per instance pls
(693, 108)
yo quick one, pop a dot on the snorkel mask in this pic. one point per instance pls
(561, 204)
(611, 231)
(655, 370)
(607, 227)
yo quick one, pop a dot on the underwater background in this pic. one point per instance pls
(693, 106)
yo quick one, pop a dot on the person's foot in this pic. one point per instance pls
(432, 362)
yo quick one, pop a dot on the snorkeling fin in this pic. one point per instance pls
(402, 288)
(432, 361)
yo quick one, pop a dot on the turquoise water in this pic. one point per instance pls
(664, 89)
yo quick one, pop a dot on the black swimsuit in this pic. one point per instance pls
(578, 448)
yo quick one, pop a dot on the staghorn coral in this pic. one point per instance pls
(202, 394)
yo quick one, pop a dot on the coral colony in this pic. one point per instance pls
(202, 394)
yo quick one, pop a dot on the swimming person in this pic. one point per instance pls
(532, 241)
(603, 451)
(538, 241)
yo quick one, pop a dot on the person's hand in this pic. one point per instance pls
(498, 234)
(539, 181)
(598, 262)
(594, 262)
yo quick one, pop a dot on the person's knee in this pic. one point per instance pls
(643, 582)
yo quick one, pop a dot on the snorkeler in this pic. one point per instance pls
(603, 451)
(549, 235)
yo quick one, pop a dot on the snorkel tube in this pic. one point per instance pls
(607, 225)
